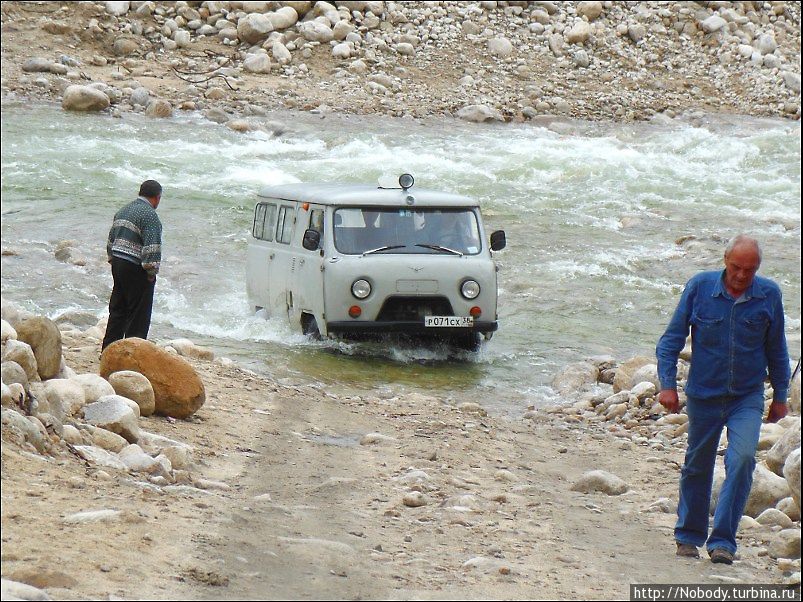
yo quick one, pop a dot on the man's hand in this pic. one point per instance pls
(669, 399)
(777, 411)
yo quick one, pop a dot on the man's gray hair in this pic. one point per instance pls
(743, 239)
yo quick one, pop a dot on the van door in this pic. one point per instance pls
(306, 276)
(260, 255)
(284, 260)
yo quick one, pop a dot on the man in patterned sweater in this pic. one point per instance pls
(134, 250)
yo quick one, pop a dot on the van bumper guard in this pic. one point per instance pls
(406, 327)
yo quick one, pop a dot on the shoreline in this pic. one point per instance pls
(294, 491)
(595, 61)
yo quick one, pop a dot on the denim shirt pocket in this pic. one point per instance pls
(754, 329)
(708, 330)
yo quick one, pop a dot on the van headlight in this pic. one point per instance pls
(470, 289)
(361, 288)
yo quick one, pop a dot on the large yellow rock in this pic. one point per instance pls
(177, 389)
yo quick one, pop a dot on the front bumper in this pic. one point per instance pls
(412, 327)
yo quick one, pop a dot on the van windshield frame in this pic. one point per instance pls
(407, 230)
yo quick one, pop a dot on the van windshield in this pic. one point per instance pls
(359, 230)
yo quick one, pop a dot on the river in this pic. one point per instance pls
(592, 214)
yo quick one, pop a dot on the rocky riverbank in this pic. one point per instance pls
(286, 491)
(483, 61)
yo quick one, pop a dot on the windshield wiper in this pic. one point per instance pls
(439, 248)
(385, 248)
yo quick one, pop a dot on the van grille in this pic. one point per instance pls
(414, 308)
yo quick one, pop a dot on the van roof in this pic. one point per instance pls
(363, 194)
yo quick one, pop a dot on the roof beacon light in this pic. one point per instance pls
(406, 181)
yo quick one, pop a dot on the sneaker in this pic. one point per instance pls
(721, 556)
(687, 550)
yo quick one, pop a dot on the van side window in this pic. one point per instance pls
(259, 220)
(284, 225)
(264, 221)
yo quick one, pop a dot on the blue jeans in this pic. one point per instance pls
(707, 417)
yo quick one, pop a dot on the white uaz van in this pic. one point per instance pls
(353, 260)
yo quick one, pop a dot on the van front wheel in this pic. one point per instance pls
(470, 341)
(309, 326)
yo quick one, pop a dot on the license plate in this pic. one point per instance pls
(448, 321)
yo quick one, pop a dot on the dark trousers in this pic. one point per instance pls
(130, 304)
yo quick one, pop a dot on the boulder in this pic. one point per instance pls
(136, 387)
(112, 413)
(84, 98)
(180, 456)
(575, 377)
(18, 395)
(257, 63)
(283, 18)
(124, 46)
(341, 51)
(37, 65)
(254, 28)
(28, 429)
(500, 47)
(14, 590)
(643, 390)
(281, 54)
(713, 23)
(21, 354)
(94, 386)
(8, 332)
(647, 373)
(772, 517)
(315, 31)
(589, 10)
(786, 544)
(178, 390)
(140, 97)
(791, 470)
(789, 441)
(623, 381)
(579, 33)
(479, 113)
(600, 481)
(137, 460)
(67, 394)
(159, 108)
(44, 337)
(12, 373)
(99, 457)
(117, 8)
(789, 507)
(106, 440)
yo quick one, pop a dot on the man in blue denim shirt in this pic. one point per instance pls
(737, 330)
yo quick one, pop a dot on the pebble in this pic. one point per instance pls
(414, 499)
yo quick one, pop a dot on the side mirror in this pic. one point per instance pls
(312, 240)
(498, 240)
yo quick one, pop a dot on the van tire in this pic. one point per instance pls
(471, 341)
(309, 326)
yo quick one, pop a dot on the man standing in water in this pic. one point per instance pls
(737, 329)
(134, 250)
